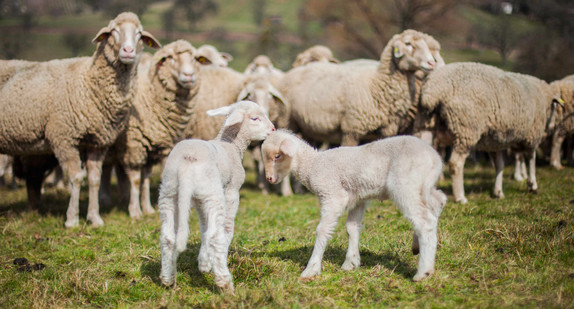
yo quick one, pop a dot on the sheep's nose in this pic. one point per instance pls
(128, 49)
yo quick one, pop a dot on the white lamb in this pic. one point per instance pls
(404, 169)
(208, 175)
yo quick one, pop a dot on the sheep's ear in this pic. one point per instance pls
(226, 56)
(203, 60)
(288, 147)
(276, 94)
(149, 40)
(397, 50)
(333, 60)
(103, 34)
(244, 94)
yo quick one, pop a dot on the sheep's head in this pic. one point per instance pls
(246, 119)
(277, 152)
(125, 35)
(209, 55)
(260, 65)
(260, 90)
(317, 53)
(410, 52)
(178, 59)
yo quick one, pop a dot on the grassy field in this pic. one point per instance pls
(516, 252)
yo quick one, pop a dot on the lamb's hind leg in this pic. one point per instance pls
(217, 242)
(169, 253)
(354, 225)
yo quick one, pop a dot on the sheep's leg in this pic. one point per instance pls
(425, 227)
(134, 175)
(531, 181)
(123, 183)
(555, 153)
(105, 185)
(204, 264)
(218, 243)
(349, 139)
(72, 166)
(331, 210)
(518, 164)
(94, 165)
(145, 191)
(34, 181)
(456, 167)
(354, 225)
(231, 207)
(168, 245)
(499, 165)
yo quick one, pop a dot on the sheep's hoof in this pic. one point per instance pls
(422, 276)
(461, 200)
(136, 215)
(309, 273)
(168, 282)
(498, 195)
(72, 223)
(148, 211)
(533, 191)
(96, 221)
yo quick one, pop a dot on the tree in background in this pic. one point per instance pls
(361, 28)
(258, 11)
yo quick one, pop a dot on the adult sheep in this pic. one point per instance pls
(75, 108)
(487, 109)
(161, 110)
(209, 55)
(342, 104)
(564, 120)
(262, 65)
(315, 53)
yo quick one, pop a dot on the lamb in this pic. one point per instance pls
(207, 175)
(402, 168)
(209, 55)
(161, 110)
(73, 106)
(341, 104)
(483, 108)
(316, 53)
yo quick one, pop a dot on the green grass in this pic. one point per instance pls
(516, 252)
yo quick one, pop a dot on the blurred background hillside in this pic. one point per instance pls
(529, 36)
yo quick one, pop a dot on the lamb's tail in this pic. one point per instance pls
(185, 193)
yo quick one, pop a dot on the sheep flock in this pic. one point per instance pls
(124, 109)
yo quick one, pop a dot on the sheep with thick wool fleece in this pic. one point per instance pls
(207, 176)
(167, 84)
(344, 104)
(481, 107)
(72, 106)
(404, 169)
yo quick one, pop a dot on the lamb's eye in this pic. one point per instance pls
(277, 156)
(255, 118)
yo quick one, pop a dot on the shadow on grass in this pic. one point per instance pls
(186, 264)
(336, 256)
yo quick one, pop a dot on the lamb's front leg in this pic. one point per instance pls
(231, 207)
(354, 226)
(331, 210)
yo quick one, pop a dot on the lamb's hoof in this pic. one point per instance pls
(72, 223)
(168, 282)
(96, 221)
(350, 265)
(533, 191)
(422, 276)
(309, 273)
(204, 267)
(498, 195)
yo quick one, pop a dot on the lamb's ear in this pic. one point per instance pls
(288, 147)
(222, 111)
(103, 34)
(149, 40)
(232, 118)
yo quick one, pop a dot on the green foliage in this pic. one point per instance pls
(492, 253)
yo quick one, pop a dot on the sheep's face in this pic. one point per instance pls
(317, 53)
(277, 153)
(411, 53)
(183, 68)
(209, 55)
(125, 34)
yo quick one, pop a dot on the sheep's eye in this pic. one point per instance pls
(277, 156)
(408, 43)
